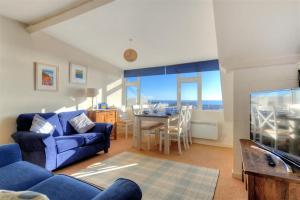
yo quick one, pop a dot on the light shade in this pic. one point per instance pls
(92, 92)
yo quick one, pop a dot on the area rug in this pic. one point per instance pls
(159, 179)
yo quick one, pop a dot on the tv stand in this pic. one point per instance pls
(270, 160)
(262, 181)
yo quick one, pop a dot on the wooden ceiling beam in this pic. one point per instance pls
(67, 14)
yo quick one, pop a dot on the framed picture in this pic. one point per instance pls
(46, 77)
(78, 74)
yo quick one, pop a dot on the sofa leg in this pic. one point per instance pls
(106, 150)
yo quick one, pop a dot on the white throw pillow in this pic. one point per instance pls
(40, 125)
(81, 123)
(22, 195)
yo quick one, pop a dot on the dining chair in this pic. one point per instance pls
(125, 120)
(136, 109)
(268, 124)
(176, 133)
(148, 128)
(254, 123)
(189, 124)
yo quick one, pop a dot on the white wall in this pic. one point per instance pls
(19, 50)
(223, 117)
(225, 129)
(251, 80)
(257, 33)
(256, 40)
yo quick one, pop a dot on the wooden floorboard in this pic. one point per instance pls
(220, 158)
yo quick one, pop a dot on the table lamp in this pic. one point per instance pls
(92, 92)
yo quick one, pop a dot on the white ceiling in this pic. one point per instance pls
(31, 11)
(249, 32)
(163, 32)
(254, 33)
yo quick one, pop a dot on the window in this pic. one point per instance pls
(175, 85)
(132, 95)
(131, 79)
(188, 75)
(189, 94)
(211, 90)
(159, 89)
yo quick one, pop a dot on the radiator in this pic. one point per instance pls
(205, 130)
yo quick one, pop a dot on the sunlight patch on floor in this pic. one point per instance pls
(102, 170)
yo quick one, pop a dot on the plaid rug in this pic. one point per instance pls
(158, 178)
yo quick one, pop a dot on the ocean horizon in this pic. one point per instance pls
(206, 104)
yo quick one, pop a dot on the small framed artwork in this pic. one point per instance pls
(78, 74)
(46, 77)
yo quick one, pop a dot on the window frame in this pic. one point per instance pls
(180, 80)
(136, 84)
(196, 79)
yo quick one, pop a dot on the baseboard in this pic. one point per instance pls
(236, 175)
(211, 143)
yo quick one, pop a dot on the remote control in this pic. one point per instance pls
(270, 160)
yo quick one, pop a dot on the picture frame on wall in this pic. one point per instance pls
(46, 76)
(78, 74)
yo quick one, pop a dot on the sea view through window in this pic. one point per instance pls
(164, 88)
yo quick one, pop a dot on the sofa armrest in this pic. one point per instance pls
(37, 148)
(30, 141)
(122, 189)
(105, 128)
(9, 153)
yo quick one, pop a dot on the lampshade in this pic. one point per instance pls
(92, 92)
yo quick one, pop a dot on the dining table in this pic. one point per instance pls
(160, 117)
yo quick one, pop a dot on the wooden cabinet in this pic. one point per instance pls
(106, 116)
(264, 182)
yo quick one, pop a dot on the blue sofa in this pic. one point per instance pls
(65, 145)
(18, 175)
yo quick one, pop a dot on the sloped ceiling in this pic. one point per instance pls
(31, 11)
(163, 32)
(241, 33)
(253, 33)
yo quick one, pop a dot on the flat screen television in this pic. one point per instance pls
(275, 123)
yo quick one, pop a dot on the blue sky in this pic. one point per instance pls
(164, 87)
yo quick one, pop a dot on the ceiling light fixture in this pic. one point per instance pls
(130, 54)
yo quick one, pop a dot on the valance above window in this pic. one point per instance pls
(201, 66)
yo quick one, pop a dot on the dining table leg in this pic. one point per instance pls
(137, 133)
(166, 138)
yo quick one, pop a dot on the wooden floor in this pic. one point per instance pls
(220, 158)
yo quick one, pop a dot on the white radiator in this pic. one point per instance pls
(205, 130)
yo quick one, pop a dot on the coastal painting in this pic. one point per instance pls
(78, 74)
(46, 77)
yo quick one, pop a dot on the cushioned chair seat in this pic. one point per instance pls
(21, 175)
(91, 138)
(62, 187)
(65, 143)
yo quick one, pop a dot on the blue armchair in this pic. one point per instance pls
(65, 145)
(20, 175)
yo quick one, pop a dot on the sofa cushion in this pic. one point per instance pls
(62, 187)
(22, 195)
(24, 122)
(82, 123)
(91, 138)
(65, 143)
(21, 175)
(41, 125)
(64, 118)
